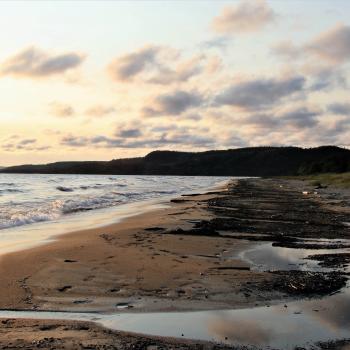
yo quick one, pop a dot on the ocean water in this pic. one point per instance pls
(27, 199)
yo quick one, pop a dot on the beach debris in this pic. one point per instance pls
(331, 260)
(306, 245)
(123, 305)
(155, 228)
(205, 231)
(64, 288)
(85, 301)
(179, 200)
(64, 189)
(48, 327)
(243, 268)
(305, 283)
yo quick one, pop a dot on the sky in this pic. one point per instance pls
(99, 80)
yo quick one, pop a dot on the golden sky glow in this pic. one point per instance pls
(102, 80)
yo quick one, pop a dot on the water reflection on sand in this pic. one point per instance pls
(286, 326)
(281, 326)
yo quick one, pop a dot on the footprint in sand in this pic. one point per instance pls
(89, 278)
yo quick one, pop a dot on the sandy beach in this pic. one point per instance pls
(184, 257)
(126, 262)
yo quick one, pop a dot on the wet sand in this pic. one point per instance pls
(100, 268)
(186, 257)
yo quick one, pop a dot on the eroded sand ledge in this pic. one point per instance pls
(171, 259)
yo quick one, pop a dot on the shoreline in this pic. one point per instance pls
(35, 234)
(66, 252)
(180, 258)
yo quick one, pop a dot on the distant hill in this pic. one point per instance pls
(253, 161)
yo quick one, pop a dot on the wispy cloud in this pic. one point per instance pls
(340, 108)
(296, 118)
(61, 110)
(139, 138)
(220, 42)
(245, 17)
(24, 145)
(100, 111)
(332, 46)
(173, 103)
(259, 93)
(35, 63)
(128, 66)
(155, 64)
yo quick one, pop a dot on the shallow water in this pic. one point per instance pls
(281, 326)
(265, 257)
(35, 208)
(32, 198)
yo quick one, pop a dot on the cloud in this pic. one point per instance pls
(296, 118)
(183, 71)
(64, 110)
(73, 141)
(286, 49)
(100, 111)
(137, 134)
(327, 78)
(259, 93)
(128, 133)
(173, 103)
(300, 118)
(61, 110)
(245, 17)
(156, 65)
(193, 116)
(339, 108)
(219, 42)
(24, 145)
(128, 66)
(35, 63)
(262, 120)
(26, 142)
(152, 141)
(332, 45)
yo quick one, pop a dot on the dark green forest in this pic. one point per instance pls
(253, 161)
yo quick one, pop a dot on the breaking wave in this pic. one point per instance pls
(27, 199)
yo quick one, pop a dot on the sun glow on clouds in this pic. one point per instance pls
(235, 75)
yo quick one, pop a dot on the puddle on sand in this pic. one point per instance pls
(284, 326)
(299, 324)
(281, 326)
(265, 257)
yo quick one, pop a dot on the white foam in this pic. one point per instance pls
(28, 199)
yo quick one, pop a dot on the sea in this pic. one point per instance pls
(27, 199)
